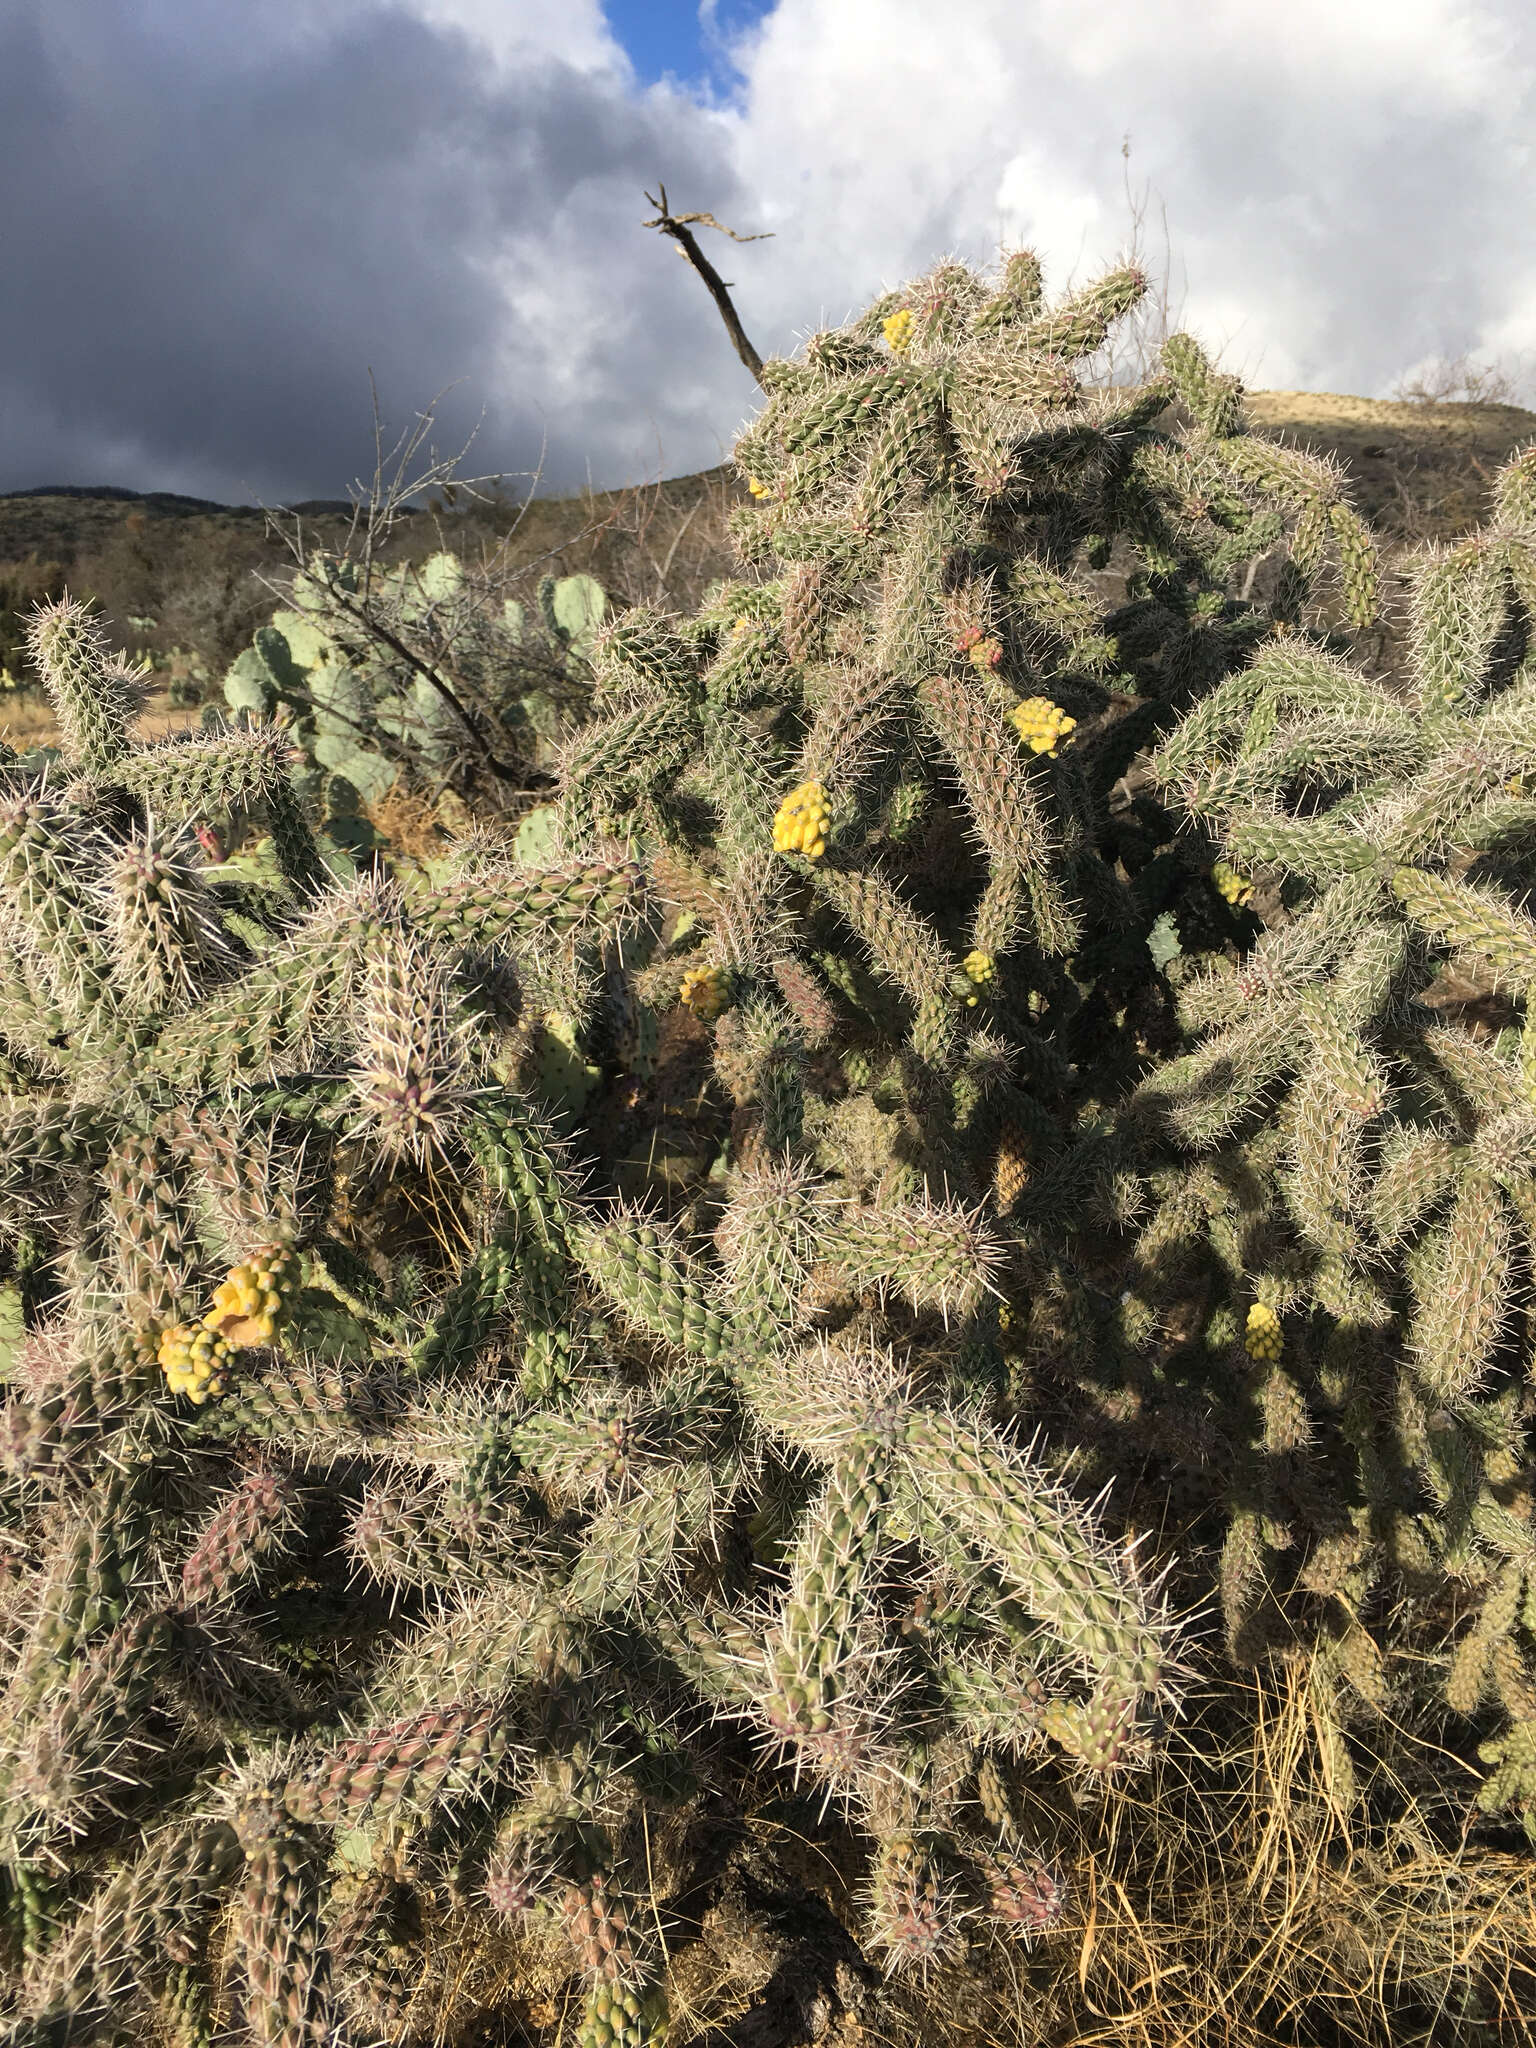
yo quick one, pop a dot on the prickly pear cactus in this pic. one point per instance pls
(412, 669)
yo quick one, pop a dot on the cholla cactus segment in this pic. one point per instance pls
(166, 939)
(251, 1524)
(134, 1924)
(1045, 1543)
(934, 1255)
(618, 2015)
(413, 1082)
(1041, 725)
(278, 1937)
(1468, 916)
(814, 1645)
(1263, 1337)
(652, 1279)
(95, 694)
(494, 911)
(916, 1911)
(409, 1765)
(801, 822)
(86, 1750)
(1232, 887)
(1024, 1893)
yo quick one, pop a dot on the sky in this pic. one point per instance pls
(222, 217)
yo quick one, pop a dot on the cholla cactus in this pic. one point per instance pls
(423, 1448)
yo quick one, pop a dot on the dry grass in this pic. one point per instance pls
(27, 720)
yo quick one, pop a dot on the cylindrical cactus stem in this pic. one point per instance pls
(187, 2007)
(935, 1255)
(277, 1937)
(1099, 1732)
(412, 1079)
(558, 900)
(137, 1924)
(1466, 916)
(86, 1750)
(917, 1911)
(409, 1764)
(904, 950)
(612, 1940)
(251, 1523)
(1044, 1542)
(650, 1276)
(521, 1159)
(243, 1180)
(1025, 1895)
(817, 1629)
(85, 1589)
(618, 2015)
(43, 1142)
(47, 885)
(167, 943)
(95, 694)
(153, 1238)
(467, 1312)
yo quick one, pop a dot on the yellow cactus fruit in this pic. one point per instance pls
(981, 968)
(1263, 1338)
(756, 487)
(193, 1361)
(1040, 724)
(1235, 888)
(1010, 1175)
(897, 329)
(705, 991)
(984, 652)
(248, 1304)
(800, 823)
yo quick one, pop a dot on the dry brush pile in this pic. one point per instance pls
(1067, 1424)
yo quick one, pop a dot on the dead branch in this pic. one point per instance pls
(680, 227)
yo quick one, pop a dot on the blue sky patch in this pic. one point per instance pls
(683, 38)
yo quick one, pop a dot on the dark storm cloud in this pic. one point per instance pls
(213, 231)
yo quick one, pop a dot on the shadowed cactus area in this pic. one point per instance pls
(872, 1385)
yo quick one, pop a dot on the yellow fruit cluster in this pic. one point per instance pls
(800, 823)
(247, 1307)
(705, 991)
(987, 653)
(757, 488)
(252, 1296)
(897, 329)
(1263, 1338)
(982, 969)
(193, 1358)
(1040, 724)
(1236, 888)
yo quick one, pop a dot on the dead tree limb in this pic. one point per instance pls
(680, 227)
